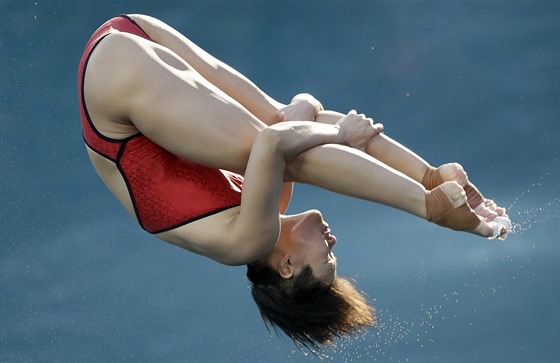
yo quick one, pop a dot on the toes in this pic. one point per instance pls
(498, 228)
(485, 212)
(501, 226)
(454, 192)
(485, 229)
(453, 172)
(490, 204)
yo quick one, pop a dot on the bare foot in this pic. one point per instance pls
(454, 191)
(487, 209)
(496, 227)
(453, 172)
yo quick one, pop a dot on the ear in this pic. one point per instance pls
(286, 268)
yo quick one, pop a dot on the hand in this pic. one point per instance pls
(357, 130)
(303, 107)
(307, 98)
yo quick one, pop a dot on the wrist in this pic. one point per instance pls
(341, 135)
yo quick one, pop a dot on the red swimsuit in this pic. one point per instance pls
(166, 191)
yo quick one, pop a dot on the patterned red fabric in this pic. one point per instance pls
(166, 191)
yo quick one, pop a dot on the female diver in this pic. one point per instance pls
(170, 130)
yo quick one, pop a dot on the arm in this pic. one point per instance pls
(303, 107)
(227, 79)
(386, 150)
(397, 156)
(232, 83)
(286, 196)
(255, 231)
(264, 107)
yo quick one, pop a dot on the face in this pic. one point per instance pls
(305, 239)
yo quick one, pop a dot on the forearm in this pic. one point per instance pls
(227, 79)
(386, 150)
(244, 91)
(295, 137)
(256, 229)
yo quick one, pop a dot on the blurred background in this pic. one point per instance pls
(470, 81)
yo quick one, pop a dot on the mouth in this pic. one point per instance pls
(327, 234)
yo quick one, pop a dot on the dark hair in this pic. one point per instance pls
(305, 309)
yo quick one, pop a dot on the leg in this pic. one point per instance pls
(131, 80)
(242, 90)
(387, 151)
(221, 75)
(369, 179)
(401, 158)
(351, 172)
(173, 105)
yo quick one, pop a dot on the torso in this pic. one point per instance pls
(214, 194)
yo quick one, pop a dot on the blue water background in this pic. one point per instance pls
(473, 81)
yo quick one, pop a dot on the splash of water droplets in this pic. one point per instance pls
(527, 212)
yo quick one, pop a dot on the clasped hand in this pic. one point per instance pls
(302, 107)
(357, 130)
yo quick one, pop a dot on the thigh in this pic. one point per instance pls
(130, 79)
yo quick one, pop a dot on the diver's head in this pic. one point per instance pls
(296, 287)
(305, 240)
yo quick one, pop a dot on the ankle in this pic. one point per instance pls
(454, 192)
(446, 206)
(453, 172)
(432, 178)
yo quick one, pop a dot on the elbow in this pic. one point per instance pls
(278, 140)
(269, 137)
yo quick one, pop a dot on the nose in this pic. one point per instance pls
(314, 213)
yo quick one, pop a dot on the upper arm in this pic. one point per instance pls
(256, 229)
(247, 233)
(177, 42)
(180, 112)
(227, 79)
